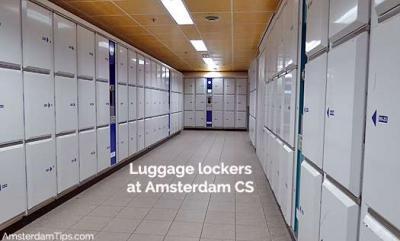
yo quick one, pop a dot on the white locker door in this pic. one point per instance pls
(140, 138)
(308, 212)
(67, 162)
(132, 62)
(11, 105)
(241, 102)
(201, 86)
(87, 154)
(103, 148)
(372, 229)
(64, 46)
(132, 103)
(37, 37)
(345, 101)
(148, 132)
(287, 183)
(148, 102)
(241, 118)
(189, 86)
(13, 182)
(140, 70)
(41, 171)
(103, 103)
(317, 26)
(314, 109)
(122, 103)
(218, 119)
(86, 104)
(189, 102)
(132, 137)
(200, 119)
(122, 64)
(102, 58)
(346, 16)
(85, 52)
(200, 102)
(229, 86)
(289, 107)
(39, 98)
(218, 102)
(147, 72)
(340, 215)
(10, 32)
(189, 118)
(218, 86)
(229, 104)
(229, 119)
(123, 145)
(241, 86)
(66, 104)
(140, 101)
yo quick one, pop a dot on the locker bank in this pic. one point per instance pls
(303, 92)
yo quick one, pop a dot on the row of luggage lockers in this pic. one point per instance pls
(220, 86)
(220, 119)
(218, 102)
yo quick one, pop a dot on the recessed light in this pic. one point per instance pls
(199, 45)
(212, 18)
(178, 11)
(210, 62)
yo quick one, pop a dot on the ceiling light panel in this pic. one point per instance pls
(178, 11)
(199, 45)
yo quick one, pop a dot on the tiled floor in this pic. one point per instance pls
(111, 214)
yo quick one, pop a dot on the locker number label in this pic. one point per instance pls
(3, 186)
(376, 118)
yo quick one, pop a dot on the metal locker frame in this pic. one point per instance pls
(103, 103)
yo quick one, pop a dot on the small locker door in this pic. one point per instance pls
(103, 103)
(39, 98)
(64, 47)
(66, 104)
(140, 139)
(132, 103)
(41, 171)
(201, 86)
(241, 103)
(217, 119)
(86, 103)
(67, 162)
(102, 58)
(37, 37)
(13, 181)
(189, 102)
(87, 154)
(287, 184)
(241, 86)
(122, 103)
(85, 52)
(241, 118)
(189, 86)
(200, 119)
(340, 215)
(229, 119)
(308, 212)
(11, 105)
(229, 86)
(140, 101)
(317, 26)
(153, 74)
(148, 132)
(132, 62)
(372, 229)
(200, 102)
(132, 137)
(10, 32)
(103, 148)
(123, 147)
(229, 104)
(189, 118)
(289, 107)
(140, 70)
(147, 72)
(218, 102)
(148, 96)
(218, 86)
(122, 64)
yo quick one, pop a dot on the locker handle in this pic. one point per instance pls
(92, 153)
(91, 53)
(108, 148)
(71, 47)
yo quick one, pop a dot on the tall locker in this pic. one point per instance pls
(86, 52)
(87, 154)
(278, 102)
(148, 102)
(10, 32)
(132, 62)
(189, 102)
(102, 58)
(289, 107)
(240, 121)
(13, 180)
(66, 90)
(132, 137)
(122, 103)
(217, 102)
(64, 47)
(201, 86)
(291, 36)
(314, 109)
(229, 86)
(200, 102)
(200, 118)
(218, 86)
(153, 74)
(122, 64)
(241, 86)
(38, 105)
(286, 182)
(189, 86)
(37, 44)
(229, 102)
(140, 70)
(317, 26)
(229, 119)
(241, 102)
(308, 212)
(140, 103)
(123, 146)
(148, 132)
(67, 162)
(103, 148)
(11, 105)
(103, 103)
(218, 119)
(147, 72)
(132, 103)
(41, 171)
(140, 139)
(345, 101)
(189, 118)
(86, 104)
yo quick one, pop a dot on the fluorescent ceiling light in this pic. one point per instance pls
(199, 45)
(210, 63)
(178, 11)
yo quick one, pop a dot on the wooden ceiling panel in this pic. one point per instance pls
(255, 5)
(208, 5)
(153, 19)
(142, 7)
(96, 8)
